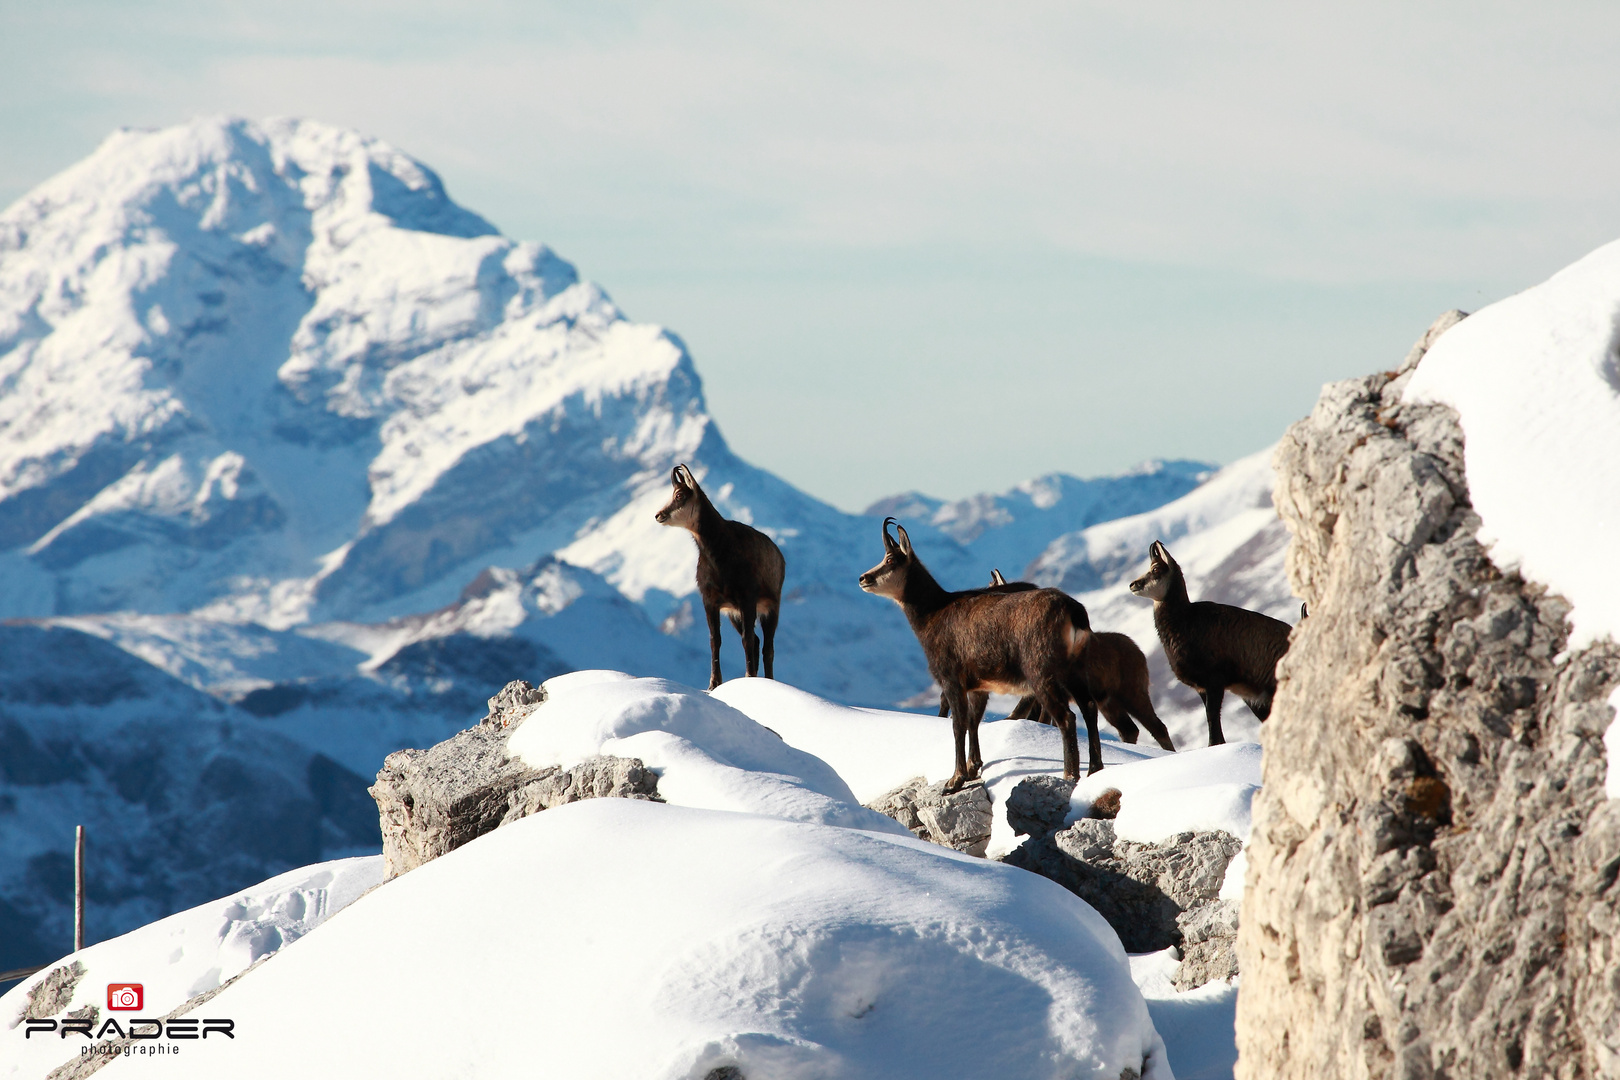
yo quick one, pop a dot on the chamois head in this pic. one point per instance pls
(682, 509)
(1161, 575)
(888, 578)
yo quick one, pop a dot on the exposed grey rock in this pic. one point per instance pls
(513, 703)
(1147, 892)
(960, 820)
(602, 777)
(433, 801)
(51, 994)
(1208, 944)
(1038, 804)
(1432, 874)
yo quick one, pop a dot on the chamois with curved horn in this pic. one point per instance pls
(1213, 647)
(739, 573)
(1116, 677)
(985, 641)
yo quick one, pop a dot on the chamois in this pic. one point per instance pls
(1116, 676)
(987, 640)
(1213, 647)
(739, 572)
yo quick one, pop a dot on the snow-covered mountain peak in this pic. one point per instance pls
(271, 367)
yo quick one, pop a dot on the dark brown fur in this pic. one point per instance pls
(739, 573)
(988, 640)
(1213, 647)
(1116, 677)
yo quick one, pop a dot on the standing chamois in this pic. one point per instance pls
(1116, 676)
(1213, 647)
(739, 572)
(985, 641)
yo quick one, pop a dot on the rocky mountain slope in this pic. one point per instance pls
(1432, 876)
(304, 460)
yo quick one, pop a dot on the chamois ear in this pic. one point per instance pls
(1159, 551)
(996, 578)
(905, 541)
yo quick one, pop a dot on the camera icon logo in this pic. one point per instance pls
(124, 995)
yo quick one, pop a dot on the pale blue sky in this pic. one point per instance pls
(936, 245)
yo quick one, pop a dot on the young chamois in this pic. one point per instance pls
(1116, 676)
(739, 572)
(985, 641)
(1213, 647)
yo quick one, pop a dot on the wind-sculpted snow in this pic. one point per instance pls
(619, 938)
(706, 753)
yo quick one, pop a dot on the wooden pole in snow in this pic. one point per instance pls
(78, 888)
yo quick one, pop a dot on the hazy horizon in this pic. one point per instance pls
(936, 247)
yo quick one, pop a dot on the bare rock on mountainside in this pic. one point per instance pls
(1038, 804)
(433, 801)
(52, 993)
(1153, 895)
(1432, 874)
(512, 703)
(960, 820)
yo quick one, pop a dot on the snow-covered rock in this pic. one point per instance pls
(1431, 874)
(619, 938)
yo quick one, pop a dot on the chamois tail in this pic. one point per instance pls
(1078, 632)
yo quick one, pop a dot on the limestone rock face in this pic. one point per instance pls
(52, 993)
(1431, 882)
(513, 702)
(433, 801)
(960, 820)
(1038, 804)
(1149, 893)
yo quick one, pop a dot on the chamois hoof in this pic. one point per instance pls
(954, 784)
(1094, 770)
(714, 682)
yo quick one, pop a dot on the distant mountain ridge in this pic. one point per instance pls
(327, 460)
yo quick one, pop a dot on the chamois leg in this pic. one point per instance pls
(1055, 704)
(767, 623)
(957, 699)
(1088, 711)
(1120, 719)
(1141, 706)
(1212, 712)
(712, 613)
(1261, 706)
(1026, 709)
(976, 703)
(750, 641)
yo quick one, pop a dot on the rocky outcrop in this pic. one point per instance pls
(51, 994)
(1038, 804)
(433, 801)
(1432, 873)
(960, 820)
(1155, 896)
